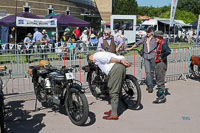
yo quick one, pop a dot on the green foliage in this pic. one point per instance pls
(186, 16)
(190, 6)
(152, 11)
(125, 7)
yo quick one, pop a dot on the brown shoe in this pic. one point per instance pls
(108, 113)
(110, 117)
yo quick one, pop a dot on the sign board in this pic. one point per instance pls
(29, 22)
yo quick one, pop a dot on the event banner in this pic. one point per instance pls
(29, 22)
(198, 28)
(173, 11)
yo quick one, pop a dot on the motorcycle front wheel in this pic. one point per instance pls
(131, 92)
(76, 106)
(195, 69)
(2, 116)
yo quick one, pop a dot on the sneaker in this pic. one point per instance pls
(159, 100)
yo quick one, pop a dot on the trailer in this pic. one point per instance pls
(126, 23)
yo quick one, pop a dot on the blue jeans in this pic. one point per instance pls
(149, 69)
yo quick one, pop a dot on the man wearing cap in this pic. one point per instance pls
(44, 40)
(84, 39)
(28, 43)
(93, 40)
(109, 43)
(149, 49)
(161, 66)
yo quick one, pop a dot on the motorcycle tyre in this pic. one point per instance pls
(196, 74)
(137, 103)
(84, 102)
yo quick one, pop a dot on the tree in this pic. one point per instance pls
(186, 16)
(190, 6)
(125, 7)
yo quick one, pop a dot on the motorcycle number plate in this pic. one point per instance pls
(69, 76)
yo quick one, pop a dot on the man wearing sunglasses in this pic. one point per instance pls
(109, 43)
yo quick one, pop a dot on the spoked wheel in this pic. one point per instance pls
(76, 106)
(39, 93)
(195, 69)
(2, 116)
(131, 92)
(91, 79)
(2, 126)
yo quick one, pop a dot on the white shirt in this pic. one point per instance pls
(84, 37)
(102, 59)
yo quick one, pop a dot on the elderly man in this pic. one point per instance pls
(113, 66)
(149, 48)
(161, 66)
(109, 43)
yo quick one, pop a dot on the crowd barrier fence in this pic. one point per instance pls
(20, 82)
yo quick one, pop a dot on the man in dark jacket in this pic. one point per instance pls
(161, 66)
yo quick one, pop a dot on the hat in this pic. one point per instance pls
(67, 29)
(44, 31)
(29, 35)
(84, 31)
(150, 29)
(92, 35)
(158, 34)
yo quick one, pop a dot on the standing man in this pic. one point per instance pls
(109, 43)
(161, 66)
(44, 40)
(149, 48)
(36, 36)
(76, 33)
(113, 66)
(28, 43)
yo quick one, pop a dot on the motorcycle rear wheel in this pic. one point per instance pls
(131, 92)
(76, 106)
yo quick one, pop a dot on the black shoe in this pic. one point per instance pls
(167, 92)
(150, 89)
(159, 100)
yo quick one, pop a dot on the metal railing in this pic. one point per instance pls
(20, 82)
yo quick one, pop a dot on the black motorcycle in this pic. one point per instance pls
(58, 86)
(97, 80)
(2, 124)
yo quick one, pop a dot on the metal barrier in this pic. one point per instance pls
(21, 82)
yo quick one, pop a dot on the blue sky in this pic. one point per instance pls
(154, 3)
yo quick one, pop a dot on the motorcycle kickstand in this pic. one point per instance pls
(36, 104)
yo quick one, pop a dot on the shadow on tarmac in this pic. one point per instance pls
(20, 121)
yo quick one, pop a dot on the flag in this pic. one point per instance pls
(173, 11)
(198, 28)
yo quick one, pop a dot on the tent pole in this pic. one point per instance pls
(56, 33)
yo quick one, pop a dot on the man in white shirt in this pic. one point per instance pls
(114, 67)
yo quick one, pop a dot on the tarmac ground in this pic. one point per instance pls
(180, 114)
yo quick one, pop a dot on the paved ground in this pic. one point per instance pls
(180, 114)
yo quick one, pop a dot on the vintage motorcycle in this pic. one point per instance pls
(97, 80)
(195, 66)
(58, 86)
(2, 124)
